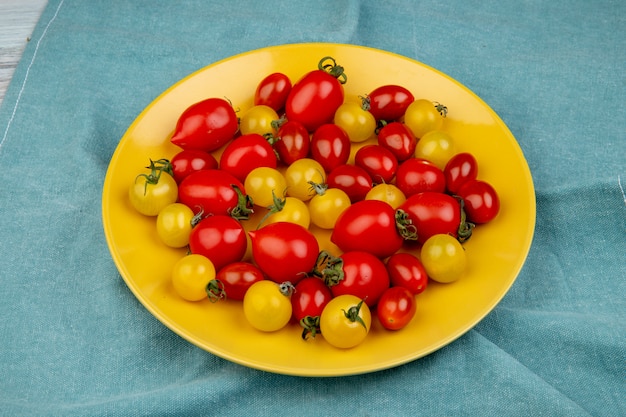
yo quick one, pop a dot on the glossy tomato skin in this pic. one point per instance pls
(461, 168)
(210, 191)
(284, 251)
(407, 271)
(220, 238)
(396, 308)
(379, 162)
(418, 175)
(433, 213)
(330, 146)
(345, 321)
(389, 102)
(399, 139)
(246, 153)
(272, 91)
(309, 298)
(481, 201)
(206, 125)
(352, 179)
(364, 276)
(369, 226)
(314, 99)
(187, 161)
(237, 277)
(293, 142)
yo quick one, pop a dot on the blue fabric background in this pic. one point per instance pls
(74, 340)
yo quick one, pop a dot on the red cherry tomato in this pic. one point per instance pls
(389, 102)
(314, 99)
(246, 153)
(418, 175)
(380, 163)
(284, 251)
(399, 139)
(406, 270)
(330, 146)
(272, 91)
(220, 238)
(206, 125)
(292, 142)
(307, 303)
(353, 180)
(237, 277)
(187, 161)
(481, 200)
(460, 168)
(396, 308)
(214, 191)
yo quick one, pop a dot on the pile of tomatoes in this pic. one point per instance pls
(377, 175)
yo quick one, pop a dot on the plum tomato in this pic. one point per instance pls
(258, 119)
(423, 116)
(481, 201)
(406, 270)
(460, 168)
(389, 102)
(154, 190)
(345, 321)
(272, 91)
(263, 184)
(292, 142)
(330, 146)
(354, 180)
(308, 301)
(187, 161)
(396, 308)
(206, 125)
(245, 153)
(327, 205)
(300, 175)
(399, 139)
(437, 147)
(314, 99)
(378, 162)
(358, 123)
(284, 251)
(444, 258)
(388, 193)
(267, 305)
(220, 238)
(235, 278)
(418, 175)
(174, 225)
(191, 275)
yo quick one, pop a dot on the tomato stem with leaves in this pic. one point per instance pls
(465, 228)
(353, 314)
(320, 189)
(215, 290)
(329, 268)
(405, 226)
(310, 326)
(286, 288)
(244, 206)
(333, 69)
(443, 110)
(156, 169)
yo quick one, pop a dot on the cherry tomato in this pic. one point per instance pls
(396, 308)
(418, 175)
(191, 275)
(245, 153)
(292, 143)
(258, 119)
(284, 251)
(288, 209)
(299, 176)
(406, 270)
(267, 305)
(379, 162)
(174, 225)
(272, 91)
(154, 190)
(187, 161)
(314, 99)
(399, 139)
(481, 201)
(237, 277)
(327, 205)
(330, 146)
(356, 273)
(370, 226)
(358, 123)
(459, 169)
(220, 238)
(444, 258)
(345, 321)
(206, 125)
(214, 192)
(437, 147)
(422, 116)
(354, 180)
(388, 193)
(389, 102)
(308, 301)
(263, 184)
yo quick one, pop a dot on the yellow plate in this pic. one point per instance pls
(496, 252)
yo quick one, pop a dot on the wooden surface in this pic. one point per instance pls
(17, 21)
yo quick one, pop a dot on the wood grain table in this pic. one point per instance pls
(17, 21)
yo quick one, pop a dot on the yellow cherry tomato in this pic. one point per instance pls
(267, 305)
(388, 193)
(174, 224)
(437, 147)
(326, 206)
(263, 183)
(153, 190)
(345, 321)
(358, 123)
(443, 258)
(422, 116)
(258, 119)
(289, 209)
(299, 176)
(191, 275)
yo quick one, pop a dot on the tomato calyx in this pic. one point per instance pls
(286, 288)
(405, 226)
(329, 268)
(465, 228)
(215, 290)
(443, 110)
(320, 189)
(277, 206)
(310, 326)
(353, 314)
(244, 207)
(156, 169)
(333, 69)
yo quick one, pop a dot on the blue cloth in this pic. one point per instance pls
(75, 341)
